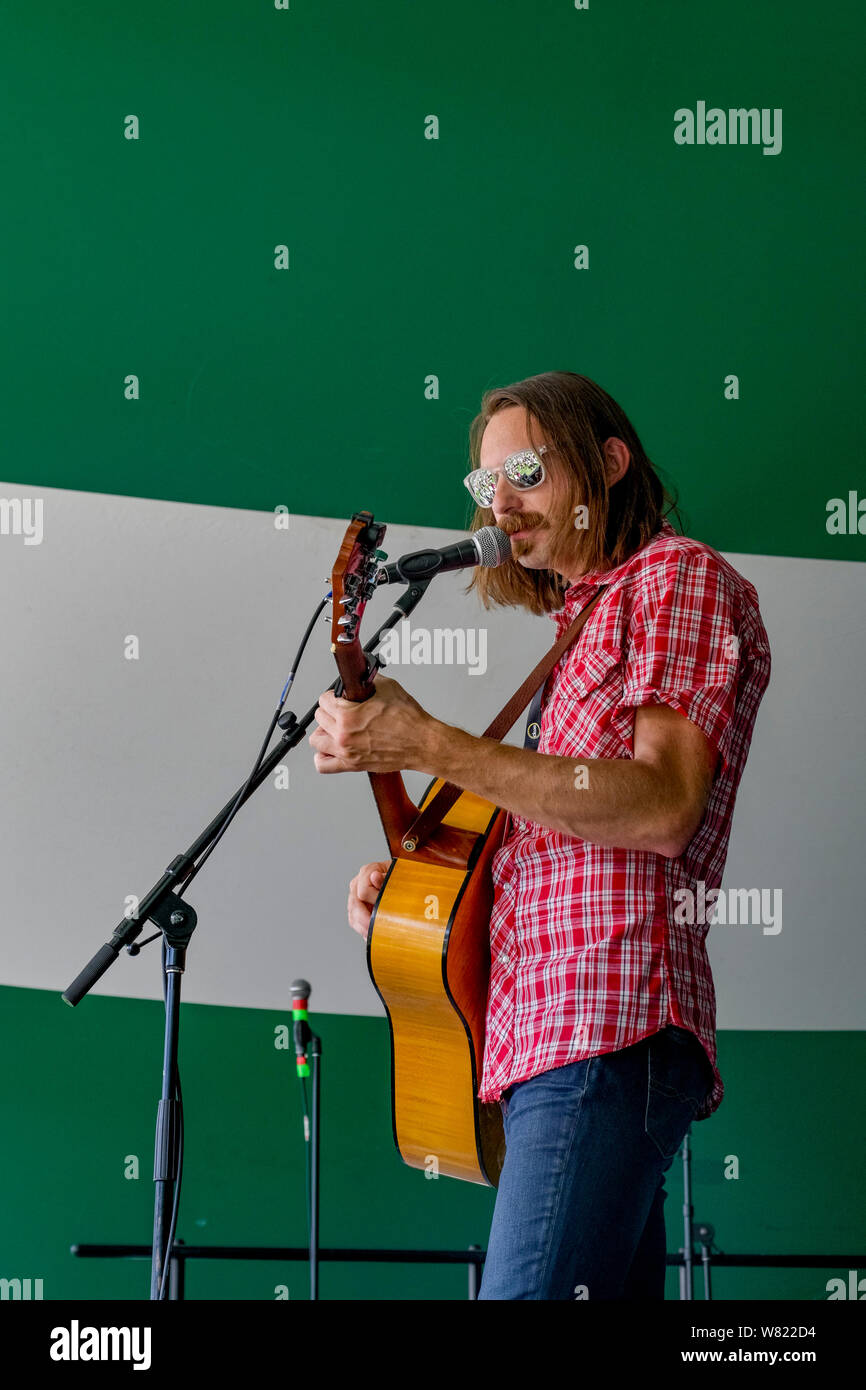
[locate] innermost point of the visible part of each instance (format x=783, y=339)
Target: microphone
x=489, y=547
x=300, y=994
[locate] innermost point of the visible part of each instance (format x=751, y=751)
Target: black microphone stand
x=306, y=1040
x=687, y=1287
x=176, y=920
x=315, y=1150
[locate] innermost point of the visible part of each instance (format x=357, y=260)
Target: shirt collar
x=577, y=594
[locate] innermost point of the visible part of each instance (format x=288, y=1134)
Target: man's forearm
x=608, y=801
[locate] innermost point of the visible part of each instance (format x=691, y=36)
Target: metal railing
x=472, y=1257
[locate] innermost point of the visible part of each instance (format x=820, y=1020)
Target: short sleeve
x=683, y=646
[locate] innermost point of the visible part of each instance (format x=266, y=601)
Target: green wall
x=411, y=257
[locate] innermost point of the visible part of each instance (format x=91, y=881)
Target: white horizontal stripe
x=112, y=767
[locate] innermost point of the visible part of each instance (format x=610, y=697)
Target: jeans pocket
x=676, y=1087
x=504, y=1099
x=681, y=1035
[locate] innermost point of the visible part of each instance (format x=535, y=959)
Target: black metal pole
x=474, y=1270
x=687, y=1290
x=176, y=932
x=315, y=1150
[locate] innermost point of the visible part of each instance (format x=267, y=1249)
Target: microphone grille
x=494, y=546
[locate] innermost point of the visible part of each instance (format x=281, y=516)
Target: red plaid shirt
x=586, y=956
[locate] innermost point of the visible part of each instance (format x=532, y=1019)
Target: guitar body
x=428, y=952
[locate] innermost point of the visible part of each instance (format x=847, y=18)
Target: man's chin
x=530, y=551
x=530, y=561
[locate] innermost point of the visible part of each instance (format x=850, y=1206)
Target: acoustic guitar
x=428, y=949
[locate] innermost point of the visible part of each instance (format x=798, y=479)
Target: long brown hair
x=577, y=416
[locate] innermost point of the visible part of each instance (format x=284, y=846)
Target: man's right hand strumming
x=363, y=892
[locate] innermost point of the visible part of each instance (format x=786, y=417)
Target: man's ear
x=616, y=460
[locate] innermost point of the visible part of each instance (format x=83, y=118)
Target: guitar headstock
x=353, y=581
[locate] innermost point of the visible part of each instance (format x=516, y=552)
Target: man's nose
x=505, y=495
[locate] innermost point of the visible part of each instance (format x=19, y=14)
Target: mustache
x=527, y=521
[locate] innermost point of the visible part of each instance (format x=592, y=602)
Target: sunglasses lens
x=524, y=469
x=482, y=485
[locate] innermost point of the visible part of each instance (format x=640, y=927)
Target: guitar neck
x=396, y=810
x=353, y=580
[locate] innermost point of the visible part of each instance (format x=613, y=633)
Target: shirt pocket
x=580, y=678
x=578, y=720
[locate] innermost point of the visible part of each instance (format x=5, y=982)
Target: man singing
x=600, y=1035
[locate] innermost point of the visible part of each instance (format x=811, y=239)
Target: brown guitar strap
x=421, y=828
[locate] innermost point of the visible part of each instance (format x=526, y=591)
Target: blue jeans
x=580, y=1207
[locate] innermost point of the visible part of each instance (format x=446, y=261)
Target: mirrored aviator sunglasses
x=524, y=470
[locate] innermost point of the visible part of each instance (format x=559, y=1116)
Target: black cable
x=235, y=807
